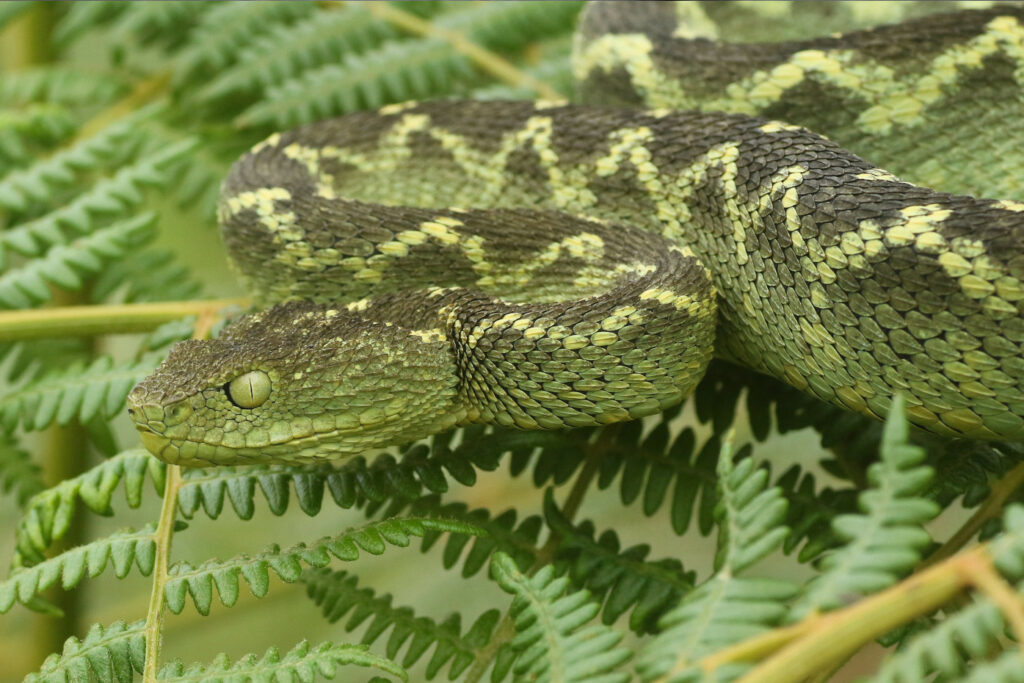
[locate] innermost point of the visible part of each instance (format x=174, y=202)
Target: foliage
x=103, y=165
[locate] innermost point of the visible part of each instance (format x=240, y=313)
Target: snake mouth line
x=186, y=452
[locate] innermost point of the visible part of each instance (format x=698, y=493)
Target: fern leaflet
x=886, y=541
x=373, y=538
x=726, y=608
x=48, y=515
x=121, y=549
x=338, y=594
x=553, y=642
x=619, y=579
x=18, y=472
x=303, y=662
x=111, y=653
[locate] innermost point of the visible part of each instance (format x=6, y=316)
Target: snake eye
x=249, y=390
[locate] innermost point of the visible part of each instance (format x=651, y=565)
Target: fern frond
x=397, y=71
x=110, y=198
x=36, y=124
x=111, y=653
x=61, y=85
x=338, y=594
x=304, y=662
x=228, y=28
x=508, y=26
x=37, y=183
x=158, y=23
x=502, y=533
x=322, y=38
x=149, y=275
x=79, y=393
x=121, y=549
x=373, y=538
x=49, y=514
x=727, y=608
x=553, y=641
x=18, y=472
x=83, y=16
x=408, y=69
x=811, y=512
x=974, y=630
x=886, y=541
x=650, y=467
x=619, y=579
x=1004, y=669
x=65, y=265
x=24, y=361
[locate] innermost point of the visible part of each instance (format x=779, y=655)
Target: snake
x=548, y=265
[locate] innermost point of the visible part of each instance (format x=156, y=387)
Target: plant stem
x=163, y=537
x=84, y=321
x=839, y=634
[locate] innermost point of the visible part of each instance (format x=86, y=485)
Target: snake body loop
x=545, y=265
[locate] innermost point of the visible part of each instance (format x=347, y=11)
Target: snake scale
x=546, y=265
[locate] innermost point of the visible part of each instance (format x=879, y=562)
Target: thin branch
x=87, y=321
x=836, y=635
x=162, y=538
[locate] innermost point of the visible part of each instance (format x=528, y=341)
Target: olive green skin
x=653, y=240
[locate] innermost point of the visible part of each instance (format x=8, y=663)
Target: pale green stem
x=86, y=321
x=163, y=537
x=839, y=634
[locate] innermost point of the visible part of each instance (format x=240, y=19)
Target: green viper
x=543, y=265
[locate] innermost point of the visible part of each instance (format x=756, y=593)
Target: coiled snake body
x=601, y=253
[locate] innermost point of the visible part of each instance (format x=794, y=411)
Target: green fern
x=726, y=608
x=553, y=641
x=18, y=473
x=338, y=594
x=620, y=579
x=62, y=85
x=397, y=71
x=112, y=653
x=121, y=549
x=78, y=393
x=150, y=275
x=48, y=515
x=303, y=662
x=110, y=198
x=228, y=28
x=501, y=533
x=287, y=50
x=373, y=538
x=886, y=541
x=39, y=182
x=66, y=265
x=973, y=631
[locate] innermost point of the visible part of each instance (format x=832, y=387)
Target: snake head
x=296, y=383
